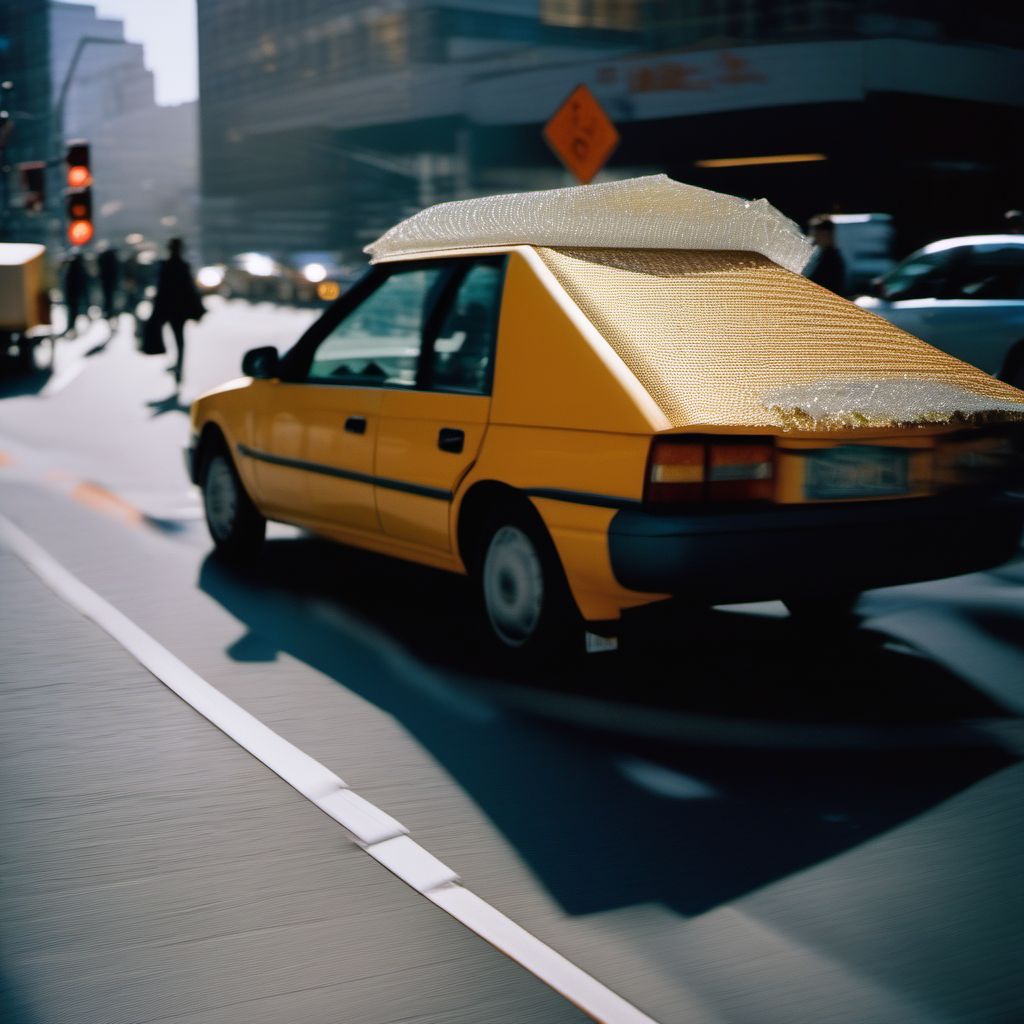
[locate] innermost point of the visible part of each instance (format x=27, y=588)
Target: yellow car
x=598, y=398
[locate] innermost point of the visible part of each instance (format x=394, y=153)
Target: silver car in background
x=963, y=295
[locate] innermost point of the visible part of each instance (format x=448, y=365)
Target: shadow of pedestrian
x=605, y=819
x=172, y=403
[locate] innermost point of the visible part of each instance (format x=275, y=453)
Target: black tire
x=529, y=610
x=235, y=524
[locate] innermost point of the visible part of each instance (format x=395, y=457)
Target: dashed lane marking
x=99, y=498
x=380, y=835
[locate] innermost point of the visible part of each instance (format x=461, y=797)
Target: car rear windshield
x=710, y=334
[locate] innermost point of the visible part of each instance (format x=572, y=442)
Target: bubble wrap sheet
x=731, y=339
x=653, y=212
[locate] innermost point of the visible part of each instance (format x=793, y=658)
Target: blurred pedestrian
x=76, y=289
x=131, y=282
x=109, y=271
x=827, y=267
x=177, y=299
x=1013, y=222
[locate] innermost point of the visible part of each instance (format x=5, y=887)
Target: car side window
x=377, y=344
x=463, y=351
x=994, y=272
x=928, y=276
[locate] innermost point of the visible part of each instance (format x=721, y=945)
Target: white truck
x=24, y=303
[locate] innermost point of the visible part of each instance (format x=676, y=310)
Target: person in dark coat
x=76, y=289
x=828, y=268
x=109, y=271
x=177, y=299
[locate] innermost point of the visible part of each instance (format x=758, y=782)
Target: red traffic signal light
x=79, y=195
x=79, y=210
x=77, y=158
x=80, y=232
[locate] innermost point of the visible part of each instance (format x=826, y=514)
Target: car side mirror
x=876, y=287
x=260, y=363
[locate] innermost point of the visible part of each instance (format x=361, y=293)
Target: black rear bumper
x=779, y=551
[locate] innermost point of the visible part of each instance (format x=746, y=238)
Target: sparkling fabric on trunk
x=733, y=340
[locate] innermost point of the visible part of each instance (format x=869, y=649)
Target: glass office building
x=24, y=35
x=325, y=121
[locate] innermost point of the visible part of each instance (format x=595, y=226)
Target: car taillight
x=688, y=470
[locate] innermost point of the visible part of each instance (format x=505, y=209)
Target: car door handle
x=451, y=440
x=356, y=424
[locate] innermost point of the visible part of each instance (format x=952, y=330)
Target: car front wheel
x=525, y=594
x=236, y=526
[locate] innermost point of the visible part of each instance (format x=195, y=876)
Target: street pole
x=6, y=127
x=57, y=131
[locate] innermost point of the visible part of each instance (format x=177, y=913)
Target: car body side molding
x=346, y=474
x=552, y=493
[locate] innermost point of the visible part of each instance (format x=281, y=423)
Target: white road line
x=382, y=837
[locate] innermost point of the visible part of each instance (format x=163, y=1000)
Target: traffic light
x=79, y=193
x=33, y=185
x=77, y=159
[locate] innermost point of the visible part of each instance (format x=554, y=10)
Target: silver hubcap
x=513, y=586
x=221, y=497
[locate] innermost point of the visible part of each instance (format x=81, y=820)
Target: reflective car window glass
x=994, y=272
x=464, y=348
x=922, y=277
x=378, y=342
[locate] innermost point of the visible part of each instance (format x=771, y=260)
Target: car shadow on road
x=16, y=382
x=605, y=817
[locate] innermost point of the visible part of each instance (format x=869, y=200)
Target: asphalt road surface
x=729, y=820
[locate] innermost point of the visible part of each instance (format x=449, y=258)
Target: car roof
x=652, y=212
x=954, y=243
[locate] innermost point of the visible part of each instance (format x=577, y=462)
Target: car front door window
x=378, y=343
x=928, y=276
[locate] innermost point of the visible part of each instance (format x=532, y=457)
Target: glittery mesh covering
x=652, y=212
x=731, y=339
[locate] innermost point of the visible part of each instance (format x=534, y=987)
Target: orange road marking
x=102, y=500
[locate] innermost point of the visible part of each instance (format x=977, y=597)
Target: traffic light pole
x=58, y=115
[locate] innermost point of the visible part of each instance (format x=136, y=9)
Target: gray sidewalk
x=152, y=870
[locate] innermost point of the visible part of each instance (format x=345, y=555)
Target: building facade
x=24, y=35
x=144, y=156
x=325, y=121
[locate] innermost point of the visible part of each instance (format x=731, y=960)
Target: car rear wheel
x=235, y=524
x=529, y=607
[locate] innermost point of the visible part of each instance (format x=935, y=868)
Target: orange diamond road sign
x=582, y=134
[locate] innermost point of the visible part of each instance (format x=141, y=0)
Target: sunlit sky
x=167, y=31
